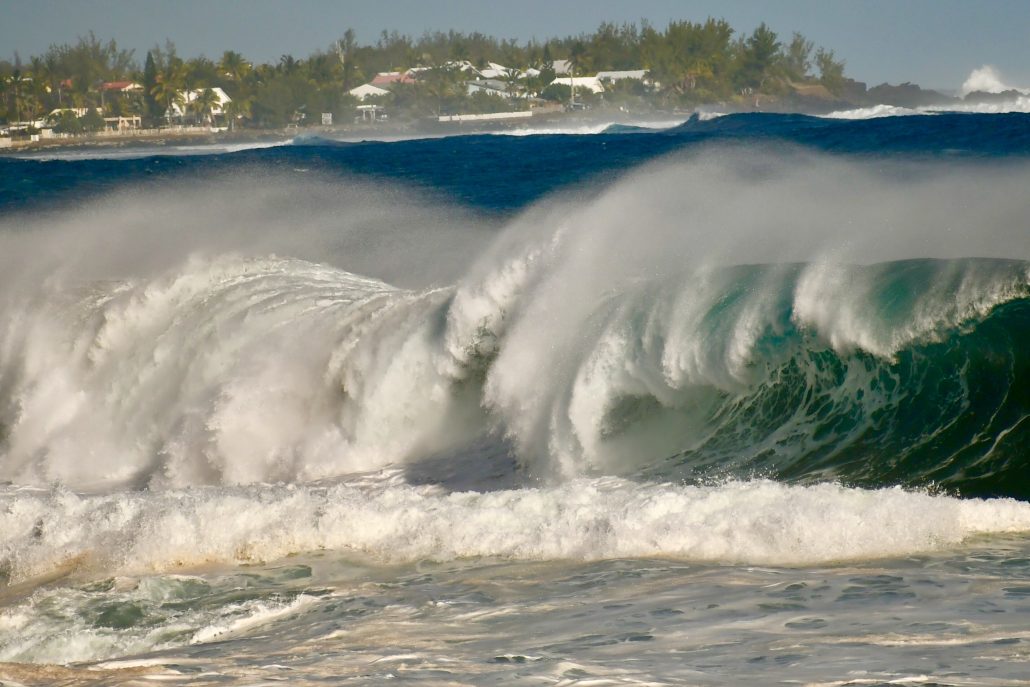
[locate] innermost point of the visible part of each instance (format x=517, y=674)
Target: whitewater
x=738, y=401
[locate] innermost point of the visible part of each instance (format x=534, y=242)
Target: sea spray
x=617, y=334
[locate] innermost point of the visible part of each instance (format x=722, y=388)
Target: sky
x=935, y=43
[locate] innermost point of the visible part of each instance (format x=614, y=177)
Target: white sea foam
x=839, y=303
x=593, y=128
x=144, y=150
x=67, y=625
x=586, y=519
x=1019, y=103
x=229, y=371
x=987, y=79
x=246, y=617
x=873, y=112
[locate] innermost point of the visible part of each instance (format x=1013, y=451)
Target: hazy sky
x=935, y=43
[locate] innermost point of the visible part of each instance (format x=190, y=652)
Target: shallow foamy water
x=599, y=581
x=953, y=618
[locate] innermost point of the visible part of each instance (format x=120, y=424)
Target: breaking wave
x=633, y=370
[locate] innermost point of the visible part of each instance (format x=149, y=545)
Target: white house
x=612, y=77
x=494, y=71
x=461, y=66
x=176, y=110
x=562, y=66
x=368, y=91
x=76, y=111
x=581, y=83
x=491, y=86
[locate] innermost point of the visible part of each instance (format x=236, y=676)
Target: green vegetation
x=688, y=64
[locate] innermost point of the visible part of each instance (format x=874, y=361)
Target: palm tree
x=512, y=83
x=168, y=94
x=26, y=104
x=237, y=109
x=168, y=89
x=345, y=48
x=288, y=64
x=15, y=106
x=440, y=82
x=204, y=102
x=576, y=57
x=5, y=87
x=234, y=66
x=41, y=78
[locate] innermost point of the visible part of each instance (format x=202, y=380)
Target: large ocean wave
x=735, y=354
x=706, y=317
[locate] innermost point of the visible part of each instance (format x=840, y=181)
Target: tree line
x=689, y=64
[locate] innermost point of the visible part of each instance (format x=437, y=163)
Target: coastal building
x=489, y=86
x=128, y=91
x=368, y=91
x=581, y=83
x=123, y=123
x=178, y=111
x=562, y=67
x=494, y=71
x=12, y=128
x=613, y=76
x=121, y=87
x=126, y=122
x=75, y=111
x=461, y=66
x=386, y=79
x=370, y=114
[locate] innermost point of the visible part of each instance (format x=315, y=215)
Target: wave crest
x=719, y=314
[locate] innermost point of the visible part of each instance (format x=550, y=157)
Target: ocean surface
x=737, y=400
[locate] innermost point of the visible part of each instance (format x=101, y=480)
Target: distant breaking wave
x=1019, y=104
x=986, y=79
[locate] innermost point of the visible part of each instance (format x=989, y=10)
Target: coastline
x=428, y=127
x=170, y=137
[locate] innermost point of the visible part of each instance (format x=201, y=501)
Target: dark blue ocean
x=508, y=173
x=740, y=399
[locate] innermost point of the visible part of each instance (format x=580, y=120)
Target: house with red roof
x=121, y=86
x=385, y=79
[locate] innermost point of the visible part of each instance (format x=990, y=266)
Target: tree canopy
x=688, y=63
